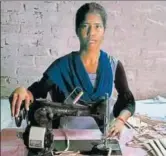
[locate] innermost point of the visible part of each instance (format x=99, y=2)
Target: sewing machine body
x=83, y=139
x=41, y=137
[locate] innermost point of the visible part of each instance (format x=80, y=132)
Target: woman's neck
x=90, y=56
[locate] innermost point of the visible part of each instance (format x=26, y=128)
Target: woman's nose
x=91, y=31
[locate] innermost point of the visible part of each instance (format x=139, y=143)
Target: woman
x=90, y=68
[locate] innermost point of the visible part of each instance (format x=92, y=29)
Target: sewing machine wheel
x=43, y=117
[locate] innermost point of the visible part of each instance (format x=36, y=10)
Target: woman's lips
x=92, y=41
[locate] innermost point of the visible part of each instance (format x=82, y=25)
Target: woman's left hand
x=116, y=128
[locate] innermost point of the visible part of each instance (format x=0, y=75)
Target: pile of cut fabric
x=149, y=123
x=150, y=134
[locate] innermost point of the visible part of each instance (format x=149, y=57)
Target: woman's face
x=91, y=31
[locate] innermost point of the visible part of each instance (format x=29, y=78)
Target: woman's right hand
x=16, y=99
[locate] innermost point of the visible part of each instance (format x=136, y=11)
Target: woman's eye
x=84, y=26
x=98, y=26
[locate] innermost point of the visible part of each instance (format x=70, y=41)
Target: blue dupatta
x=68, y=72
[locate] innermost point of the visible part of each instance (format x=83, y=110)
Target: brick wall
x=33, y=34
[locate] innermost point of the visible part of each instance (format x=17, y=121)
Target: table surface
x=11, y=145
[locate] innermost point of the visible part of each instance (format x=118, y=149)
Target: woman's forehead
x=93, y=18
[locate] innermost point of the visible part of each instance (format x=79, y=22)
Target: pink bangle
x=119, y=118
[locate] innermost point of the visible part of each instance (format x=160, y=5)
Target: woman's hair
x=89, y=8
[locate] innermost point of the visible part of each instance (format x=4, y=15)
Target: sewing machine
x=41, y=134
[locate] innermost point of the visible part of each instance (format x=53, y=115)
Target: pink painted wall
x=33, y=34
